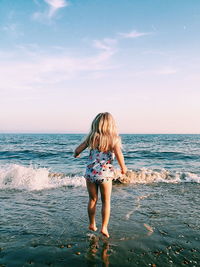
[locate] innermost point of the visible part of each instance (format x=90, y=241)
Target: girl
x=103, y=142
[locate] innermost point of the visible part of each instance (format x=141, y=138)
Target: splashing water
x=14, y=176
x=150, y=176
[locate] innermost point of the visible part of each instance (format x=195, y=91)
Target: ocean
x=155, y=219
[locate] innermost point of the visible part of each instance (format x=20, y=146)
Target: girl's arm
x=120, y=158
x=79, y=149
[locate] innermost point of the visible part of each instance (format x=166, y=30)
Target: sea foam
x=14, y=176
x=147, y=176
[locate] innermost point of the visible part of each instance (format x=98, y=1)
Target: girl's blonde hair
x=103, y=134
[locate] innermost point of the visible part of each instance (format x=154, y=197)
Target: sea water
x=43, y=203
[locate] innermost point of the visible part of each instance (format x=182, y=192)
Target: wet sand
x=150, y=225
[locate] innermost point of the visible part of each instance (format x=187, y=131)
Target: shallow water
x=44, y=220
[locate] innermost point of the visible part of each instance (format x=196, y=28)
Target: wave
x=14, y=176
x=148, y=176
x=32, y=153
x=169, y=155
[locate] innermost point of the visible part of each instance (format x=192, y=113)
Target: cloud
x=110, y=44
x=107, y=44
x=32, y=71
x=12, y=29
x=133, y=34
x=55, y=5
x=52, y=8
x=161, y=71
x=167, y=71
x=154, y=52
x=31, y=68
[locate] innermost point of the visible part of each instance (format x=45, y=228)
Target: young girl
x=103, y=142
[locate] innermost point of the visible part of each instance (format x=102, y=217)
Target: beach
x=155, y=219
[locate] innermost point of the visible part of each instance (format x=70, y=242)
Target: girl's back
x=99, y=167
x=102, y=141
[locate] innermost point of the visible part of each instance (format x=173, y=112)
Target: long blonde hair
x=103, y=134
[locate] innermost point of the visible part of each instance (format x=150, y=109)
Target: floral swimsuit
x=99, y=166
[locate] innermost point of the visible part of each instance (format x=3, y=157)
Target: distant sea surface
x=43, y=203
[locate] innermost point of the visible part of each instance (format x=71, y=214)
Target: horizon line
x=87, y=133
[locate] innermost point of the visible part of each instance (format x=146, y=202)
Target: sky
x=64, y=61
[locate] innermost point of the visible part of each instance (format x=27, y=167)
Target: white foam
x=30, y=178
x=146, y=176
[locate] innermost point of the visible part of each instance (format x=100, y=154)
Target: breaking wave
x=14, y=176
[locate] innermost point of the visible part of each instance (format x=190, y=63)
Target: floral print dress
x=99, y=166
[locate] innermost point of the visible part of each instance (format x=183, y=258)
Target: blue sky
x=62, y=62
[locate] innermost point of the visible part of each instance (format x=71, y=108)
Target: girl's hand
x=124, y=170
x=76, y=155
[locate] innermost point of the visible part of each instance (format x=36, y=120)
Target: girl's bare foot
x=92, y=227
x=104, y=231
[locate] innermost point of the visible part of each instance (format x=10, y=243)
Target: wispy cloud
x=133, y=34
x=35, y=70
x=110, y=44
x=12, y=29
x=161, y=71
x=154, y=52
x=55, y=5
x=107, y=44
x=167, y=71
x=52, y=7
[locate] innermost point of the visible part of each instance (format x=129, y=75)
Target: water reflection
x=98, y=247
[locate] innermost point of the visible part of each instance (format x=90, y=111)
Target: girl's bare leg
x=93, y=197
x=106, y=189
